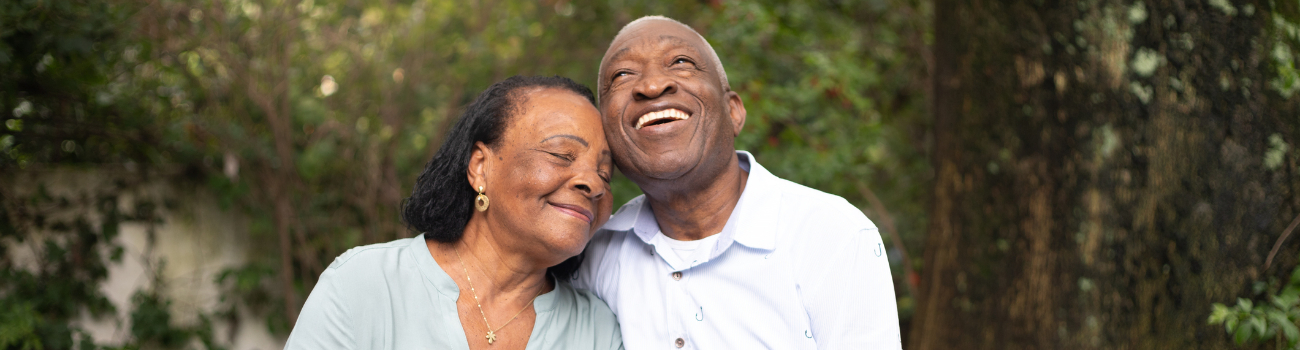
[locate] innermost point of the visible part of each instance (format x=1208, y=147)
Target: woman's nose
x=589, y=183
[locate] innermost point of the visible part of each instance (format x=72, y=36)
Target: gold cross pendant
x=491, y=337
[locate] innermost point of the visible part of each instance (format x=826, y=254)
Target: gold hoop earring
x=481, y=202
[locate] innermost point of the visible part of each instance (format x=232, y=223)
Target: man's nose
x=654, y=86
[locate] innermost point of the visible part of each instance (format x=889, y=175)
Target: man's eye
x=682, y=60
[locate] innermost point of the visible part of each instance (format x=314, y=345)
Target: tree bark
x=1100, y=173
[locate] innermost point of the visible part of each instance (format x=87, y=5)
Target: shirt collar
x=752, y=223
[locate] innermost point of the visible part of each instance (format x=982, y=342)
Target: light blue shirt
x=794, y=268
x=395, y=296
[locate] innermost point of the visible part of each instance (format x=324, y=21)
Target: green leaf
x=1218, y=314
x=1285, y=301
x=18, y=326
x=1260, y=325
x=1244, y=304
x=1242, y=335
x=1285, y=324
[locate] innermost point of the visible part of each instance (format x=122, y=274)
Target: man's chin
x=662, y=168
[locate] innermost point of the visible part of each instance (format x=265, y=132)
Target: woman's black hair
x=443, y=200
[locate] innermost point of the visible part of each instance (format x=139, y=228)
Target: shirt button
x=680, y=342
x=677, y=276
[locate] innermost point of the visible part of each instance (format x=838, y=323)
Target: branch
x=1285, y=233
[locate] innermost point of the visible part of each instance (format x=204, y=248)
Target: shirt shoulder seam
x=354, y=252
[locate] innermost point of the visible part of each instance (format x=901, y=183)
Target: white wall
x=196, y=241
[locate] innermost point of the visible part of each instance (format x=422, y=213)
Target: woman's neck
x=498, y=275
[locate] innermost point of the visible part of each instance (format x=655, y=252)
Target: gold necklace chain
x=491, y=334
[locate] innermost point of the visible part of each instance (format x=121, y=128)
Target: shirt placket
x=678, y=300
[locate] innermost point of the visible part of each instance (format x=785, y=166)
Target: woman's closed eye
x=564, y=156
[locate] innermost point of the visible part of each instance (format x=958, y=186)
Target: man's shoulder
x=799, y=201
x=619, y=226
x=812, y=219
x=625, y=217
x=605, y=243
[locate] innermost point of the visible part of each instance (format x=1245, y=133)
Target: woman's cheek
x=607, y=203
x=538, y=177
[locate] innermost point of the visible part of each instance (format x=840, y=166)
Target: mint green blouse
x=395, y=296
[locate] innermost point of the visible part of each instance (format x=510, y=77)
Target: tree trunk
x=1101, y=173
x=270, y=92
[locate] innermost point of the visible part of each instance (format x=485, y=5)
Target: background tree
x=1105, y=170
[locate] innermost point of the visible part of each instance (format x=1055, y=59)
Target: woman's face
x=548, y=177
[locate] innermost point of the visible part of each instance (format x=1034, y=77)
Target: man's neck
x=688, y=213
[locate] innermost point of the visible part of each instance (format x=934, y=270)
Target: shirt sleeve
x=322, y=324
x=847, y=289
x=591, y=273
x=601, y=326
x=616, y=338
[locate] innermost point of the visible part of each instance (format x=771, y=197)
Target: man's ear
x=737, y=112
x=480, y=163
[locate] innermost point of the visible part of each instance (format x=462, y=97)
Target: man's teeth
x=664, y=114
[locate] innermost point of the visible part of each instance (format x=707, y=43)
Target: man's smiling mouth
x=661, y=117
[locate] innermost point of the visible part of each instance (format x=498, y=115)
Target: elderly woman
x=510, y=199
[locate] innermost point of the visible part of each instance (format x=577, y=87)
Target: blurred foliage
x=68, y=92
x=40, y=300
x=71, y=100
x=1275, y=320
x=1286, y=27
x=54, y=252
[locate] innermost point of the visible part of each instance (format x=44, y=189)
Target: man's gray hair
x=722, y=72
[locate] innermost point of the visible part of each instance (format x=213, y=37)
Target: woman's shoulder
x=372, y=253
x=360, y=270
x=582, y=302
x=581, y=320
x=360, y=294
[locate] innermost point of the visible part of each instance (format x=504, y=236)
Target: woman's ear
x=480, y=163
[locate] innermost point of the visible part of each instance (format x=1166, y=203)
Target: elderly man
x=719, y=253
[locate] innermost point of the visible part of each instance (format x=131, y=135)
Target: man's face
x=665, y=111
